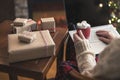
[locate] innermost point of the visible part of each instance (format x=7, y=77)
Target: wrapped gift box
x=48, y=24
x=19, y=22
x=26, y=37
x=18, y=30
x=43, y=46
x=32, y=24
x=29, y=25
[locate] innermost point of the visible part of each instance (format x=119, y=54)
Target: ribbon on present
x=29, y=20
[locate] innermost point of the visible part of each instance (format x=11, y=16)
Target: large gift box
x=42, y=46
x=48, y=24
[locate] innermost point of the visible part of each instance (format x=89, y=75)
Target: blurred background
x=65, y=12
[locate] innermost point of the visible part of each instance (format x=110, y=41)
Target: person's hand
x=78, y=36
x=105, y=36
x=81, y=43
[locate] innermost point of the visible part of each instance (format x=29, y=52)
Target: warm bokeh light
x=101, y=5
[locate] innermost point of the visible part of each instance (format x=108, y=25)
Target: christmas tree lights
x=114, y=8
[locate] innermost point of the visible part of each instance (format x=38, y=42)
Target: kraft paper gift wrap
x=29, y=25
x=43, y=46
x=26, y=37
x=19, y=21
x=48, y=24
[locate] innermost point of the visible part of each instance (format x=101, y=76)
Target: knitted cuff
x=86, y=61
x=81, y=46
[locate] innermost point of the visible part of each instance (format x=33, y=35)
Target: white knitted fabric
x=108, y=66
x=84, y=56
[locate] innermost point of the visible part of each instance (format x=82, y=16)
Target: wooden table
x=36, y=69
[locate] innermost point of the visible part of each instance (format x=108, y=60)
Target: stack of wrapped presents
x=22, y=24
x=28, y=43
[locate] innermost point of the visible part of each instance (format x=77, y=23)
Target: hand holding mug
x=85, y=28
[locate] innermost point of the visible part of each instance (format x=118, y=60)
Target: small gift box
x=48, y=24
x=18, y=30
x=85, y=28
x=42, y=46
x=30, y=25
x=20, y=21
x=26, y=37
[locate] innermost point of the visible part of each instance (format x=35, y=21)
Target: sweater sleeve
x=84, y=56
x=108, y=65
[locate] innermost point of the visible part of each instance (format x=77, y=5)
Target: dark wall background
x=6, y=10
x=78, y=10
x=44, y=5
